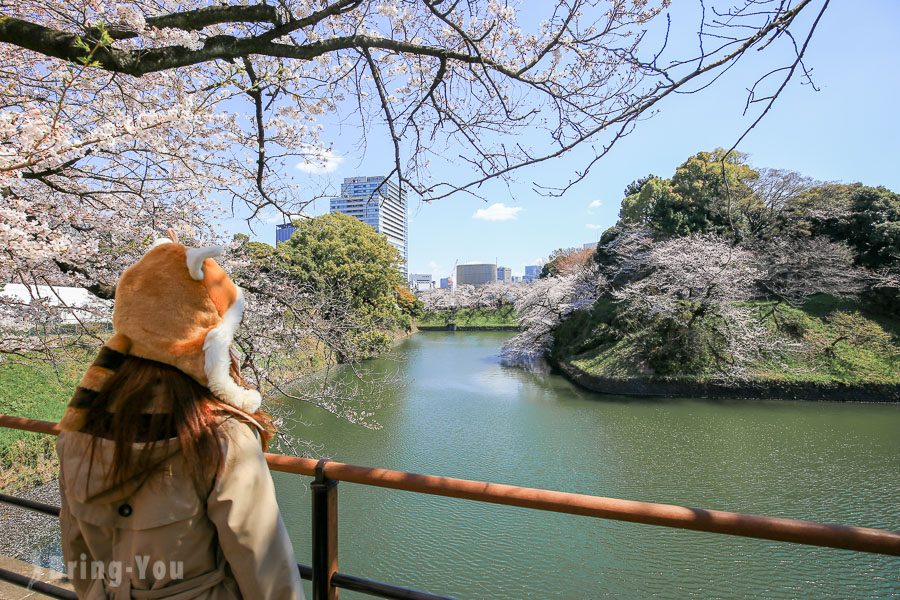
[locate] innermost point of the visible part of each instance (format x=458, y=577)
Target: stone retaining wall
x=786, y=390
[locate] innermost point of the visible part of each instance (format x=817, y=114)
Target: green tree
x=408, y=302
x=638, y=207
x=821, y=210
x=263, y=256
x=635, y=186
x=338, y=252
x=875, y=226
x=342, y=257
x=706, y=194
x=867, y=218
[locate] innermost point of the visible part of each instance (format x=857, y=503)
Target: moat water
x=452, y=409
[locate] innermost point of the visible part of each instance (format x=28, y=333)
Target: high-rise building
x=381, y=204
x=532, y=272
x=476, y=274
x=504, y=274
x=446, y=282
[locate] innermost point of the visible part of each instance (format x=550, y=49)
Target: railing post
x=324, y=534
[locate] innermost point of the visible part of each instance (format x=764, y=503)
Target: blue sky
x=848, y=131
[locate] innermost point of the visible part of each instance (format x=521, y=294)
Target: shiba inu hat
x=175, y=306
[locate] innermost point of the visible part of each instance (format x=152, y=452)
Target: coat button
x=125, y=510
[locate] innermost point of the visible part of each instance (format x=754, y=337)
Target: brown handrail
x=861, y=539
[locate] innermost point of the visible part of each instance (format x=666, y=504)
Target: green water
x=458, y=412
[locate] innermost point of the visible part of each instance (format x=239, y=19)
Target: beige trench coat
x=161, y=538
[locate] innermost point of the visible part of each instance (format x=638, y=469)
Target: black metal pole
x=46, y=589
x=30, y=504
x=382, y=590
x=324, y=534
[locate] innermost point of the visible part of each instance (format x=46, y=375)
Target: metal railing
x=327, y=580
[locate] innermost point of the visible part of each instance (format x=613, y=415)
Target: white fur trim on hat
x=217, y=348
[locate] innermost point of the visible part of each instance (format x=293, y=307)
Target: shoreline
x=774, y=390
x=454, y=327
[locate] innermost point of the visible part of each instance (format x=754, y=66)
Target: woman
x=165, y=489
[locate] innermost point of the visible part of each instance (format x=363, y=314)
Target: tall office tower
x=504, y=274
x=379, y=203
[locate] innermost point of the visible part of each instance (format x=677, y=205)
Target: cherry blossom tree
x=690, y=290
x=492, y=295
x=695, y=288
x=293, y=336
x=680, y=298
x=701, y=269
x=799, y=267
x=474, y=73
x=544, y=304
x=120, y=119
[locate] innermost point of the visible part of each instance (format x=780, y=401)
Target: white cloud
x=436, y=270
x=593, y=226
x=319, y=161
x=497, y=212
x=270, y=217
x=595, y=204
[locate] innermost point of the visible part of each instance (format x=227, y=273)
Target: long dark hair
x=181, y=408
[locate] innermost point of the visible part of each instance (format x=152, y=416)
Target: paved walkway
x=8, y=591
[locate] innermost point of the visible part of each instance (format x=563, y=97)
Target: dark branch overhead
x=195, y=20
x=63, y=45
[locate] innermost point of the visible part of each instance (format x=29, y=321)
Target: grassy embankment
x=37, y=391
x=471, y=318
x=837, y=343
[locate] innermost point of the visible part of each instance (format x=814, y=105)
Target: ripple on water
x=464, y=415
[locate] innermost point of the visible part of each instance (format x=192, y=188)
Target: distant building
x=532, y=272
x=379, y=203
x=517, y=279
x=283, y=233
x=589, y=246
x=446, y=282
x=504, y=274
x=476, y=274
x=419, y=282
x=75, y=305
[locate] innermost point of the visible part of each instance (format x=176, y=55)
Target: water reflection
x=462, y=413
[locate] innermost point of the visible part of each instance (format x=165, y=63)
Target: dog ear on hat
x=196, y=256
x=171, y=238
